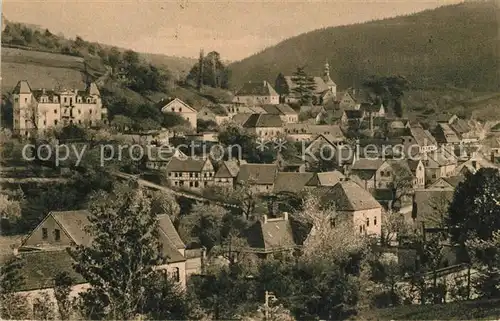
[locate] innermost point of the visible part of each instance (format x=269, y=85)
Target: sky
x=236, y=29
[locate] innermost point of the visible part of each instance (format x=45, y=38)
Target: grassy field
x=41, y=69
x=469, y=310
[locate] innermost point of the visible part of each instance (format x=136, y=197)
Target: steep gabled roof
x=280, y=109
x=166, y=226
x=349, y=196
x=186, y=164
x=74, y=223
x=263, y=120
x=330, y=178
x=241, y=118
x=165, y=104
x=228, y=169
x=93, y=90
x=271, y=234
x=293, y=182
x=258, y=174
x=368, y=164
x=22, y=87
x=261, y=88
x=41, y=267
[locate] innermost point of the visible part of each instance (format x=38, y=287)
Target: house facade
x=286, y=113
x=44, y=252
x=355, y=204
x=39, y=110
x=226, y=173
x=258, y=177
x=190, y=172
x=256, y=93
x=265, y=126
x=180, y=108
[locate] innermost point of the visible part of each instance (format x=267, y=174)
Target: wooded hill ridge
x=451, y=46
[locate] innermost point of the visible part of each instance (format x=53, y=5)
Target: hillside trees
x=213, y=74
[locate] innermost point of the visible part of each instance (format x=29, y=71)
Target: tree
x=486, y=254
x=9, y=209
x=394, y=227
x=114, y=58
x=121, y=122
x=209, y=71
x=62, y=290
x=131, y=57
x=474, y=211
x=13, y=305
x=388, y=90
x=245, y=197
x=122, y=255
x=203, y=225
x=304, y=86
x=402, y=185
x=165, y=300
x=165, y=203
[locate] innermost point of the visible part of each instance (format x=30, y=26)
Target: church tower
x=328, y=81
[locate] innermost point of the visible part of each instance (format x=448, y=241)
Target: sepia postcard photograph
x=277, y=160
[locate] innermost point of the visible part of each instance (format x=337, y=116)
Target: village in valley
x=134, y=194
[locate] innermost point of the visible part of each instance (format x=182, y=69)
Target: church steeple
x=328, y=81
x=326, y=71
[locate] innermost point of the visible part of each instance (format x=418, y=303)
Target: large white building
x=41, y=109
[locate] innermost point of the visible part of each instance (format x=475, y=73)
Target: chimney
x=264, y=218
x=285, y=216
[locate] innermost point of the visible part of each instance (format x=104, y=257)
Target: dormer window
x=79, y=99
x=55, y=99
x=88, y=100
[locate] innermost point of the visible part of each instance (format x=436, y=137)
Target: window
x=90, y=111
x=57, y=235
x=176, y=275
x=367, y=222
x=80, y=121
x=88, y=100
x=375, y=221
x=79, y=111
x=44, y=122
x=180, y=110
x=65, y=99
x=190, y=184
x=45, y=234
x=196, y=184
x=25, y=100
x=55, y=111
x=55, y=121
x=361, y=229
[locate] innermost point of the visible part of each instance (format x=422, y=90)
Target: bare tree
x=331, y=237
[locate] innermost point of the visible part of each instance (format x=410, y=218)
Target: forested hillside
x=451, y=46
